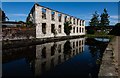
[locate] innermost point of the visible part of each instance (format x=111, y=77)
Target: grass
x=96, y=35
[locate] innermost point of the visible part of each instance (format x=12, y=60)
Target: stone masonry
x=50, y=23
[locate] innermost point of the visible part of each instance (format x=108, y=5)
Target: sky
x=17, y=11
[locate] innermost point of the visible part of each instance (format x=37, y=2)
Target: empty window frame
x=52, y=28
x=59, y=17
x=77, y=21
x=53, y=15
x=74, y=21
x=65, y=18
x=43, y=13
x=83, y=23
x=73, y=29
x=80, y=29
x=59, y=29
x=80, y=22
x=77, y=29
x=44, y=28
x=77, y=43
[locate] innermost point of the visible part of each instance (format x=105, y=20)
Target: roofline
x=56, y=11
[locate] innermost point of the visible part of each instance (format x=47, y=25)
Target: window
x=53, y=28
x=44, y=52
x=74, y=21
x=73, y=29
x=44, y=28
x=80, y=22
x=77, y=29
x=80, y=29
x=53, y=16
x=59, y=48
x=80, y=49
x=76, y=51
x=43, y=13
x=83, y=23
x=59, y=17
x=77, y=21
x=65, y=18
x=77, y=43
x=59, y=29
x=53, y=49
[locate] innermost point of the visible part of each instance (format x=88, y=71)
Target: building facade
x=50, y=23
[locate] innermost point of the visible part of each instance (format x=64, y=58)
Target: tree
x=67, y=27
x=30, y=24
x=94, y=21
x=115, y=30
x=104, y=18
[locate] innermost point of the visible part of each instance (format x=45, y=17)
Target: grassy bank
x=99, y=36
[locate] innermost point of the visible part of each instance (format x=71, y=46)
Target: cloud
x=114, y=17
x=22, y=15
x=113, y=22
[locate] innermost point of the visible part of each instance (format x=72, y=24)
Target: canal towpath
x=110, y=63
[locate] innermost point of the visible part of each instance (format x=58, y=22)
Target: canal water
x=69, y=58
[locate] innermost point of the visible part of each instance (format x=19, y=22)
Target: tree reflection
x=67, y=48
x=96, y=46
x=96, y=49
x=93, y=50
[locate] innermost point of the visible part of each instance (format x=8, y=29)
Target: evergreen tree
x=104, y=19
x=94, y=21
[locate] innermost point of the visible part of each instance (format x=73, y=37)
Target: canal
x=69, y=58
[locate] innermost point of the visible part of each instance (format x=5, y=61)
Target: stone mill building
x=50, y=23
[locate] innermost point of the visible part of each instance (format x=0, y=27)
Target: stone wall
x=16, y=33
x=45, y=17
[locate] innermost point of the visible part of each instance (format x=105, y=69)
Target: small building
x=48, y=20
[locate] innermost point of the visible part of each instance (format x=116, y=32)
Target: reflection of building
x=51, y=54
x=49, y=21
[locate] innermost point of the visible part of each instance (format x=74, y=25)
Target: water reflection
x=76, y=56
x=55, y=53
